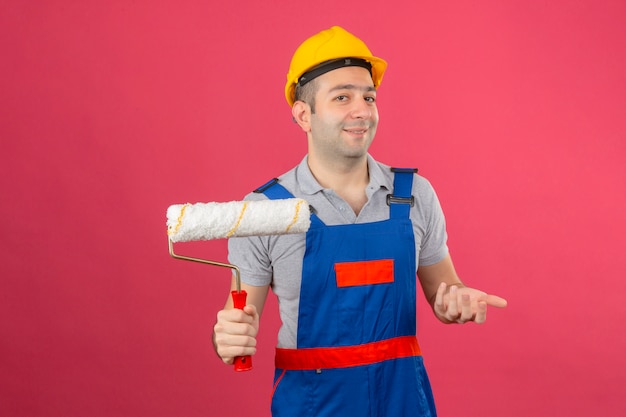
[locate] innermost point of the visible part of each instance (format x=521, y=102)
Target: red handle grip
x=242, y=363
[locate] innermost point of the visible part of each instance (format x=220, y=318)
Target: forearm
x=431, y=277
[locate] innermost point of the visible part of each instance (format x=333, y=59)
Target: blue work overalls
x=357, y=353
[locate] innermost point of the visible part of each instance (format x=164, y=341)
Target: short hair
x=306, y=93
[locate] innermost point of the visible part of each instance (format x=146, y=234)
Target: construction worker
x=347, y=288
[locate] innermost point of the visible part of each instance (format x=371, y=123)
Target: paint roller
x=208, y=221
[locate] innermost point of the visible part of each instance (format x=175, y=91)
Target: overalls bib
x=357, y=352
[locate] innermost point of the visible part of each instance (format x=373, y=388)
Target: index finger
x=495, y=301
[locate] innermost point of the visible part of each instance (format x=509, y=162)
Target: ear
x=301, y=113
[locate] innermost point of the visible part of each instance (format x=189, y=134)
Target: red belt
x=346, y=356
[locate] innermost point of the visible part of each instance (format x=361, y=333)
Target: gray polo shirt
x=277, y=260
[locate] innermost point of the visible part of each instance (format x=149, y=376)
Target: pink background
x=111, y=111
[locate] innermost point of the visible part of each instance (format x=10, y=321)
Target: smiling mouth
x=359, y=131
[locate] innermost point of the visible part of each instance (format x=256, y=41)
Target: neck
x=348, y=179
x=335, y=174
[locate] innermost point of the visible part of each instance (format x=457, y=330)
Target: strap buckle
x=392, y=199
x=404, y=170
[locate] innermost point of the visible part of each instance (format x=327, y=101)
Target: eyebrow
x=352, y=87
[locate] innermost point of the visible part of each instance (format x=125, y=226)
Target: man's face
x=346, y=116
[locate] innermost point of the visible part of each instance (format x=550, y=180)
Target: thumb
x=250, y=309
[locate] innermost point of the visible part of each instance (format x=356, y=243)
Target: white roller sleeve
x=206, y=221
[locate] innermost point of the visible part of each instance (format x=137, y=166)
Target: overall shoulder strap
x=401, y=201
x=274, y=191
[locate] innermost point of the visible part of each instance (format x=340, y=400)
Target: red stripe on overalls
x=347, y=356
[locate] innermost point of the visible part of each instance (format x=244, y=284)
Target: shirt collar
x=310, y=186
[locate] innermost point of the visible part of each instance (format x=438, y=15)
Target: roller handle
x=242, y=363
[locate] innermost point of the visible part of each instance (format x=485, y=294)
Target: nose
x=362, y=109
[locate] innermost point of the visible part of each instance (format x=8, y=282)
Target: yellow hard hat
x=330, y=46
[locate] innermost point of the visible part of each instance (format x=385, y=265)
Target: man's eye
x=370, y=99
x=341, y=98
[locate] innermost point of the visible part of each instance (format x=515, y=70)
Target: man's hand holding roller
x=234, y=333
